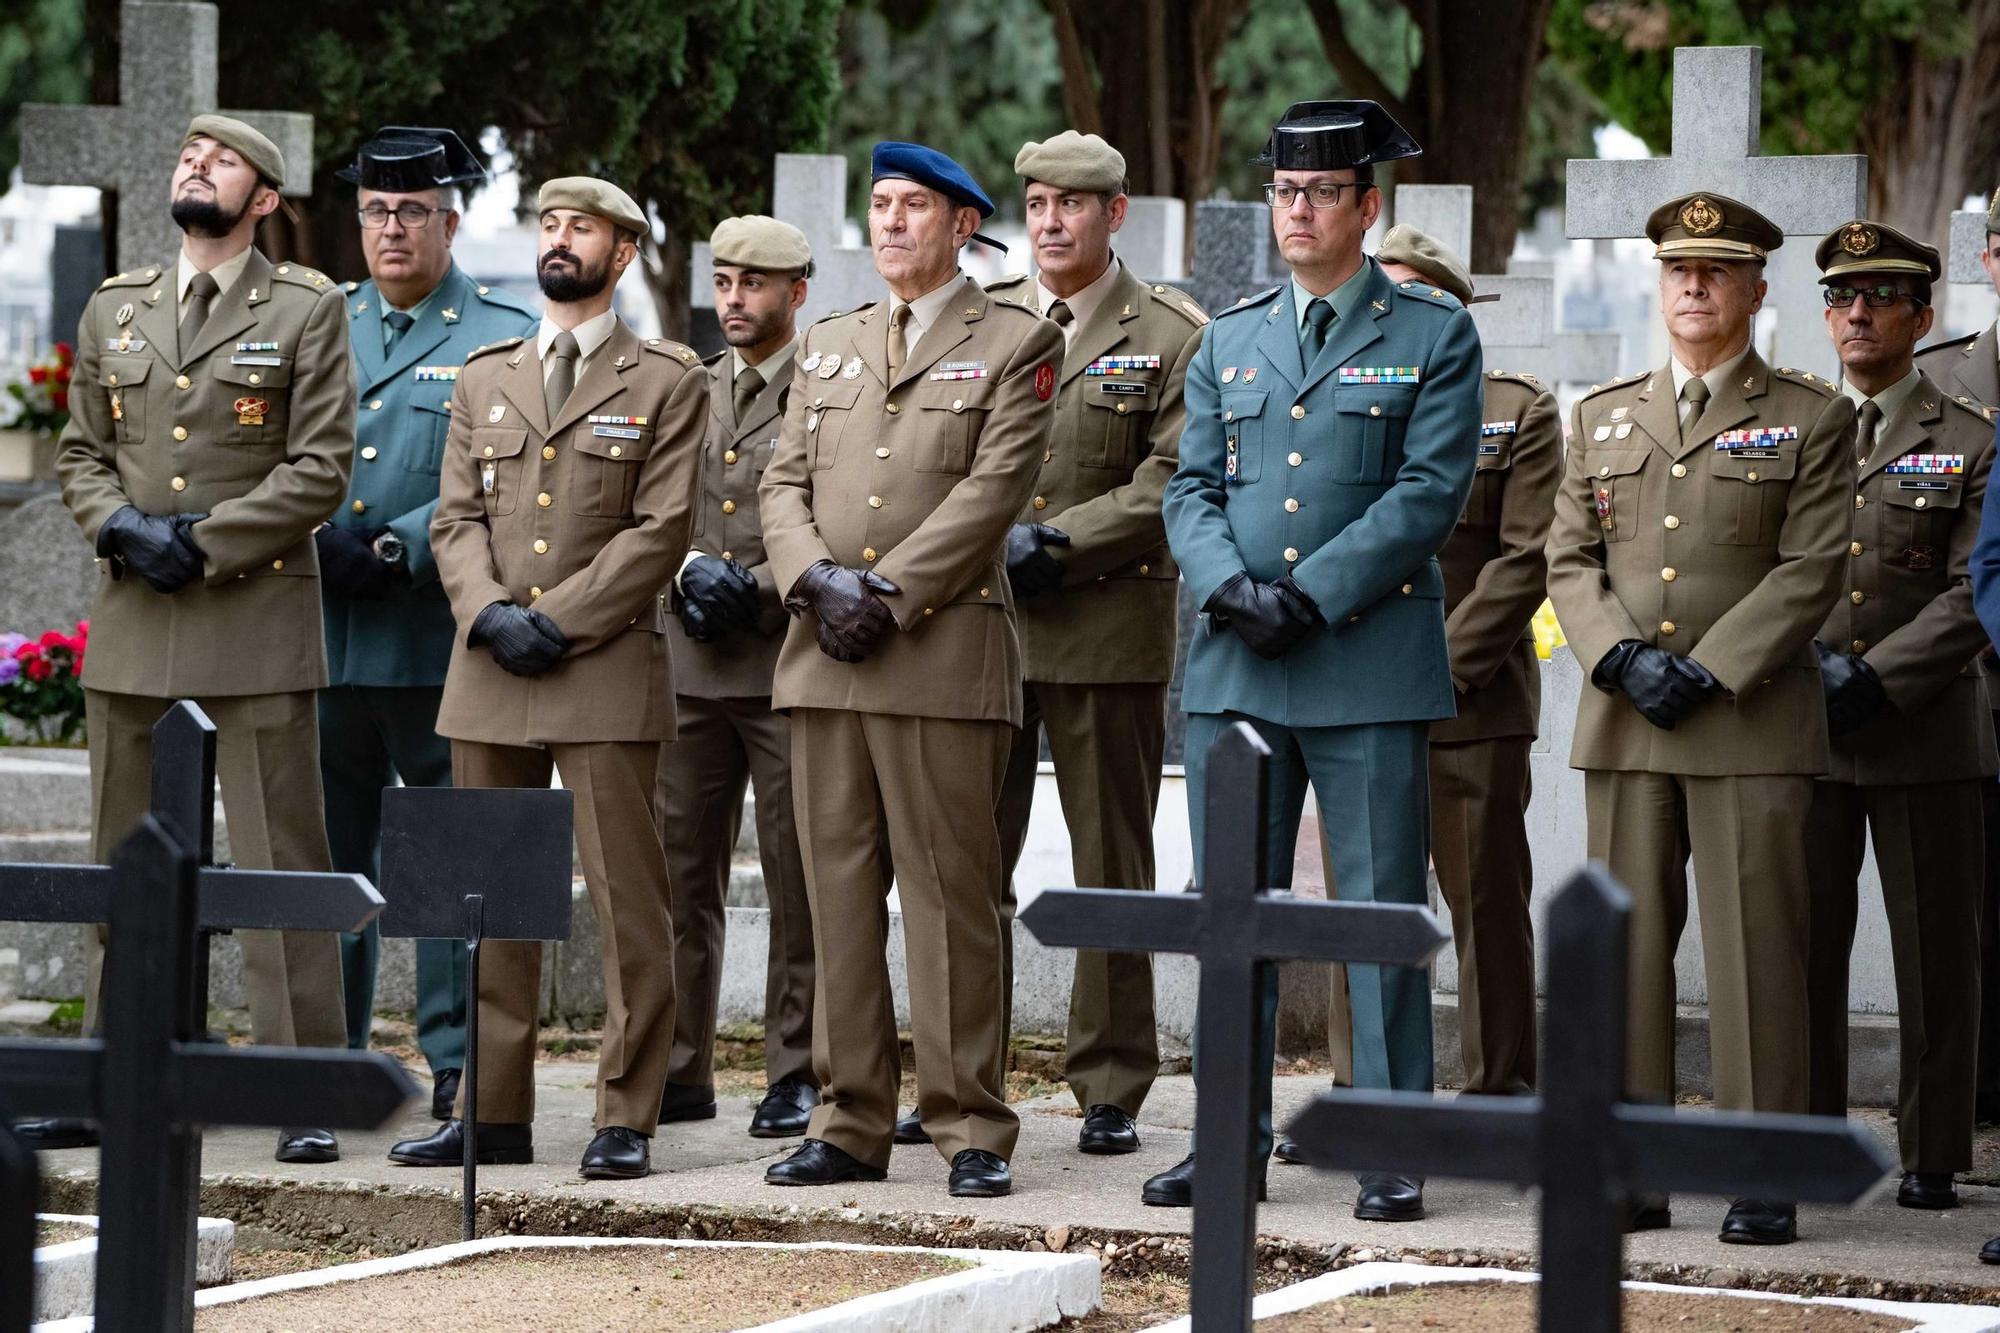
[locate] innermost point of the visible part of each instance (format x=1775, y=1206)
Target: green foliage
x=42, y=59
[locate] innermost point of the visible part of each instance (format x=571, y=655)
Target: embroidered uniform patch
x=437, y=374
x=1120, y=365
x=1936, y=465
x=1381, y=374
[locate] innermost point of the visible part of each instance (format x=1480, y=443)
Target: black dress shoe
x=978, y=1174
x=687, y=1101
x=1285, y=1150
x=1174, y=1187
x=785, y=1110
x=1760, y=1222
x=499, y=1145
x=308, y=1146
x=444, y=1093
x=1989, y=1253
x=1107, y=1131
x=1927, y=1189
x=1389, y=1198
x=47, y=1135
x=818, y=1162
x=1647, y=1212
x=618, y=1153
x=910, y=1129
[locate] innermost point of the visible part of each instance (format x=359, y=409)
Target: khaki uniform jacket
x=1117, y=441
x=1729, y=558
x=1495, y=564
x=728, y=522
x=1968, y=366
x=585, y=519
x=255, y=428
x=1908, y=603
x=919, y=480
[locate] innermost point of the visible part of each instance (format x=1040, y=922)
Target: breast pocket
x=1747, y=494
x=1242, y=436
x=496, y=451
x=1489, y=481
x=123, y=382
x=1111, y=430
x=1615, y=478
x=258, y=397
x=1372, y=419
x=826, y=421
x=1918, y=513
x=949, y=418
x=607, y=468
x=428, y=423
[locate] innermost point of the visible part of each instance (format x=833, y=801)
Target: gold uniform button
x=1854, y=548
x=729, y=456
x=1145, y=569
x=1604, y=471
x=1667, y=627
x=487, y=452
x=983, y=592
x=180, y=432
x=1857, y=597
x=1374, y=410
x=1291, y=506
x=1298, y=412
x=867, y=553
x=1408, y=589
x=375, y=406
x=548, y=451
x=1295, y=458
x=180, y=382
x=1291, y=553
x=729, y=506
x=1861, y=645
x=1041, y=502
x=277, y=564
x=881, y=452
x=534, y=592
x=958, y=405
x=541, y=546
x=874, y=502
x=256, y=377
x=360, y=506
x=1922, y=501
x=368, y=452
x=930, y=610
x=1679, y=469
x=1673, y=521
x=1860, y=502
x=893, y=409
x=1121, y=409
x=544, y=499
x=729, y=555
x=1750, y=476
x=617, y=451
x=180, y=483
x=111, y=379
x=1669, y=574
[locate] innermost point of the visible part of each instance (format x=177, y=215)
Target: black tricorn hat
x=404, y=159
x=1327, y=136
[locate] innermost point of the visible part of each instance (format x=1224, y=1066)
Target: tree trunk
x=664, y=267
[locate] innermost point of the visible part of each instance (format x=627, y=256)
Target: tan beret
x=253, y=147
x=1072, y=161
x=1993, y=212
x=1711, y=226
x=1427, y=255
x=587, y=194
x=765, y=244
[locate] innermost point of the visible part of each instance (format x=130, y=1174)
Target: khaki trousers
x=612, y=782
x=1746, y=836
x=1928, y=850
x=928, y=787
x=726, y=745
x=1107, y=742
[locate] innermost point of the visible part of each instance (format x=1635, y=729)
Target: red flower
x=38, y=374
x=36, y=668
x=83, y=629
x=54, y=639
x=60, y=400
x=26, y=651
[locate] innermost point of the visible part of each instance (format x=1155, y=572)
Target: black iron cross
x=20, y=1184
x=1237, y=927
x=1585, y=1147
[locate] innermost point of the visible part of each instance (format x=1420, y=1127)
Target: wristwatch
x=390, y=550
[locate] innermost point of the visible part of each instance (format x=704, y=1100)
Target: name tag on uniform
x=616, y=421
x=1380, y=374
x=1121, y=365
x=256, y=361
x=617, y=432
x=1923, y=485
x=1944, y=465
x=1755, y=437
x=1134, y=387
x=437, y=374
x=959, y=370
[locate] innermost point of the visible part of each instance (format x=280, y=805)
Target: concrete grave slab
x=66, y=1274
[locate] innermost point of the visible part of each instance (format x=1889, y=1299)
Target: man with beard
x=388, y=625
x=211, y=429
x=911, y=441
x=730, y=736
x=563, y=511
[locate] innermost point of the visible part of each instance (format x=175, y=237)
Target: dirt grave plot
x=591, y=1290
x=49, y=1233
x=1510, y=1307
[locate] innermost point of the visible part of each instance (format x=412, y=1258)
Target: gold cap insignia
x=1858, y=238
x=1700, y=217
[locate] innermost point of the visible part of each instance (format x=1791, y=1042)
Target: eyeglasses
x=1876, y=298
x=1323, y=195
x=411, y=216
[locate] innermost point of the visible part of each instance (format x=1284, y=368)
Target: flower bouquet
x=41, y=686
x=39, y=403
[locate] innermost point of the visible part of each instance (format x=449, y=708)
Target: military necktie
x=1319, y=318
x=1695, y=393
x=399, y=322
x=202, y=288
x=897, y=351
x=562, y=375
x=749, y=383
x=1061, y=314
x=1864, y=437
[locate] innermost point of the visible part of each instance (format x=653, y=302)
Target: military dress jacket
x=1117, y=439
x=1969, y=366
x=729, y=523
x=404, y=637
x=1349, y=476
x=1907, y=603
x=584, y=518
x=917, y=478
x=1496, y=566
x=1727, y=549
x=253, y=427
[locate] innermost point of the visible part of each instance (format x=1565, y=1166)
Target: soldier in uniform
x=1332, y=429
x=1696, y=549
x=388, y=625
x=211, y=429
x=912, y=439
x=730, y=736
x=566, y=496
x=1906, y=710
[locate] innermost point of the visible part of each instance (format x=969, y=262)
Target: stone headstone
x=47, y=573
x=76, y=266
x=1967, y=242
x=166, y=77
x=1153, y=241
x=1234, y=255
x=809, y=190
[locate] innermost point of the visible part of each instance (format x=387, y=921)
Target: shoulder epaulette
x=1968, y=404
x=1178, y=301
x=1008, y=281
x=302, y=276
x=716, y=359
x=841, y=314
x=1255, y=301
x=1948, y=345
x=500, y=346
x=1521, y=377
x=680, y=352
x=1435, y=295
x=503, y=298
x=136, y=278
x=1618, y=383
x=1825, y=388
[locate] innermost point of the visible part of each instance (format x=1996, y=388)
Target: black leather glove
x=1664, y=688
x=1270, y=617
x=725, y=591
x=158, y=548
x=523, y=642
x=695, y=622
x=1031, y=570
x=852, y=617
x=348, y=564
x=1854, y=693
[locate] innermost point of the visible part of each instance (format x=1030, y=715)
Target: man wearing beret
x=1697, y=547
x=732, y=624
x=388, y=625
x=564, y=506
x=1332, y=428
x=1912, y=750
x=911, y=443
x=211, y=429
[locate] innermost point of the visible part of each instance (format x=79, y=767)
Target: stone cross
x=809, y=190
x=1238, y=928
x=1718, y=105
x=1579, y=1141
x=166, y=77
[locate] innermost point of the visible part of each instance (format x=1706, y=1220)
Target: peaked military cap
x=404, y=159
x=1327, y=136
x=1072, y=161
x=762, y=243
x=1861, y=246
x=587, y=194
x=249, y=144
x=1993, y=213
x=1710, y=226
x=1427, y=255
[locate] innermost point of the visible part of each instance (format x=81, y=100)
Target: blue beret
x=929, y=167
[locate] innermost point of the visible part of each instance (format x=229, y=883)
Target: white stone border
x=66, y=1274
x=1004, y=1291
x=1374, y=1278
